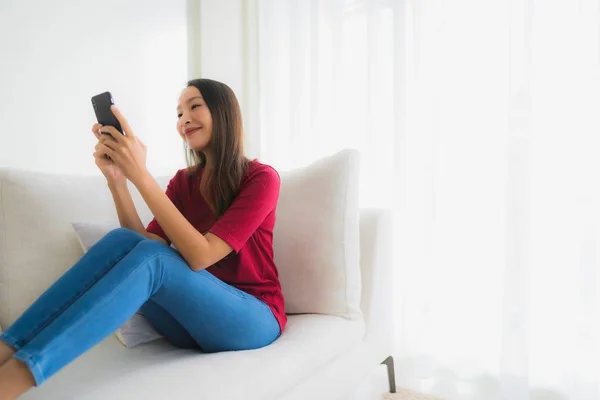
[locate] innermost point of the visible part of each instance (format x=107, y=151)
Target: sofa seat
x=159, y=370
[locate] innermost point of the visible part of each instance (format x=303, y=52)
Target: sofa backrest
x=37, y=241
x=316, y=235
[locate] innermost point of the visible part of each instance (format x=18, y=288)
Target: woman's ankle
x=15, y=379
x=6, y=352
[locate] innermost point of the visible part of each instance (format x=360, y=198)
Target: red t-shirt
x=247, y=226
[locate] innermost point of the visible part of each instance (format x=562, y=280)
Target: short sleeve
x=257, y=198
x=172, y=193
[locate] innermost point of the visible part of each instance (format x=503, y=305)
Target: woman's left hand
x=126, y=151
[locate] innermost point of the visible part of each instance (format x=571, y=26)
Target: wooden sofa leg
x=389, y=363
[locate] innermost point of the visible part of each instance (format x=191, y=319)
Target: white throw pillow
x=137, y=329
x=316, y=237
x=88, y=234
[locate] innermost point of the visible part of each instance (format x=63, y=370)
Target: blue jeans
x=125, y=272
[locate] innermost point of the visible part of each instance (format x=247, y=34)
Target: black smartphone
x=104, y=115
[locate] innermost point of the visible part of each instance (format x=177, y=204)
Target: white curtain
x=477, y=121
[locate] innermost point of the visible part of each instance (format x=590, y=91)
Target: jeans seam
x=105, y=299
x=231, y=289
x=40, y=327
x=10, y=341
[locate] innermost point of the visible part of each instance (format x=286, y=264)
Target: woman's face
x=194, y=122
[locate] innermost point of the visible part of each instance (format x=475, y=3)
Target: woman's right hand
x=112, y=173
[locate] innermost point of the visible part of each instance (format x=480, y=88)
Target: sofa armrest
x=376, y=269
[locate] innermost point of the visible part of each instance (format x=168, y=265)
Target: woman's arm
x=128, y=215
x=129, y=154
x=199, y=251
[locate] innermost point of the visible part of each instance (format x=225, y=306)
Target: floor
x=405, y=394
x=377, y=385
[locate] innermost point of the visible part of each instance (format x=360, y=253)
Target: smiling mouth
x=191, y=132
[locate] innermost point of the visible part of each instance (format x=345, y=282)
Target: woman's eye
x=194, y=106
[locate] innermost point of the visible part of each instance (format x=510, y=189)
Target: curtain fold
x=477, y=125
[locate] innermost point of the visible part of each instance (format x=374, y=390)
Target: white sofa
x=317, y=357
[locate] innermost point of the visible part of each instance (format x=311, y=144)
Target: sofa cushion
x=110, y=371
x=316, y=237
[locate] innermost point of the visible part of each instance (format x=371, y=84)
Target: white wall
x=54, y=55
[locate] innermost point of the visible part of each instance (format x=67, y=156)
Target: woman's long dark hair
x=221, y=183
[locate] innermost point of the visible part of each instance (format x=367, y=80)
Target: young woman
x=217, y=290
